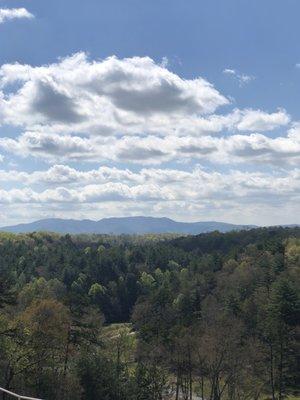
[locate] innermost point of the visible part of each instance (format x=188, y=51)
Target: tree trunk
x=280, y=371
x=272, y=372
x=177, y=383
x=190, y=376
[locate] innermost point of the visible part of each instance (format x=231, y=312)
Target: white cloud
x=112, y=184
x=242, y=79
x=259, y=121
x=188, y=195
x=63, y=174
x=51, y=146
x=7, y=14
x=194, y=194
x=115, y=97
x=256, y=148
x=112, y=96
x=88, y=194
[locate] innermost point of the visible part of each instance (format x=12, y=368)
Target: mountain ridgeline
x=127, y=225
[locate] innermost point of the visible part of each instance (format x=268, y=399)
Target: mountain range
x=125, y=225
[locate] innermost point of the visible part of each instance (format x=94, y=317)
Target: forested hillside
x=151, y=317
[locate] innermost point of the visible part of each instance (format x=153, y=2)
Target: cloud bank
x=144, y=140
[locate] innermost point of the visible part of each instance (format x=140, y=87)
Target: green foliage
x=103, y=317
x=100, y=378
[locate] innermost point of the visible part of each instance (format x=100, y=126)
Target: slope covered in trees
x=103, y=317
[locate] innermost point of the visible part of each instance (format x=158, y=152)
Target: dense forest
x=151, y=317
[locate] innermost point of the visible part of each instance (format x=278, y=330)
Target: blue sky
x=196, y=117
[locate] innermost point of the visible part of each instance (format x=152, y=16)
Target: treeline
x=157, y=317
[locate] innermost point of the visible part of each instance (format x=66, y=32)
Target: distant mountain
x=126, y=225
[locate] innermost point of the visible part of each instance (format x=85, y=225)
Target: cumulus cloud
x=103, y=97
x=7, y=14
x=254, y=148
x=233, y=149
x=111, y=183
x=59, y=174
x=257, y=120
x=88, y=194
x=115, y=97
x=50, y=146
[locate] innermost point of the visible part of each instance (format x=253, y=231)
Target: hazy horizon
x=144, y=216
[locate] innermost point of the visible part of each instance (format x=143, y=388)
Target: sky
x=167, y=108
